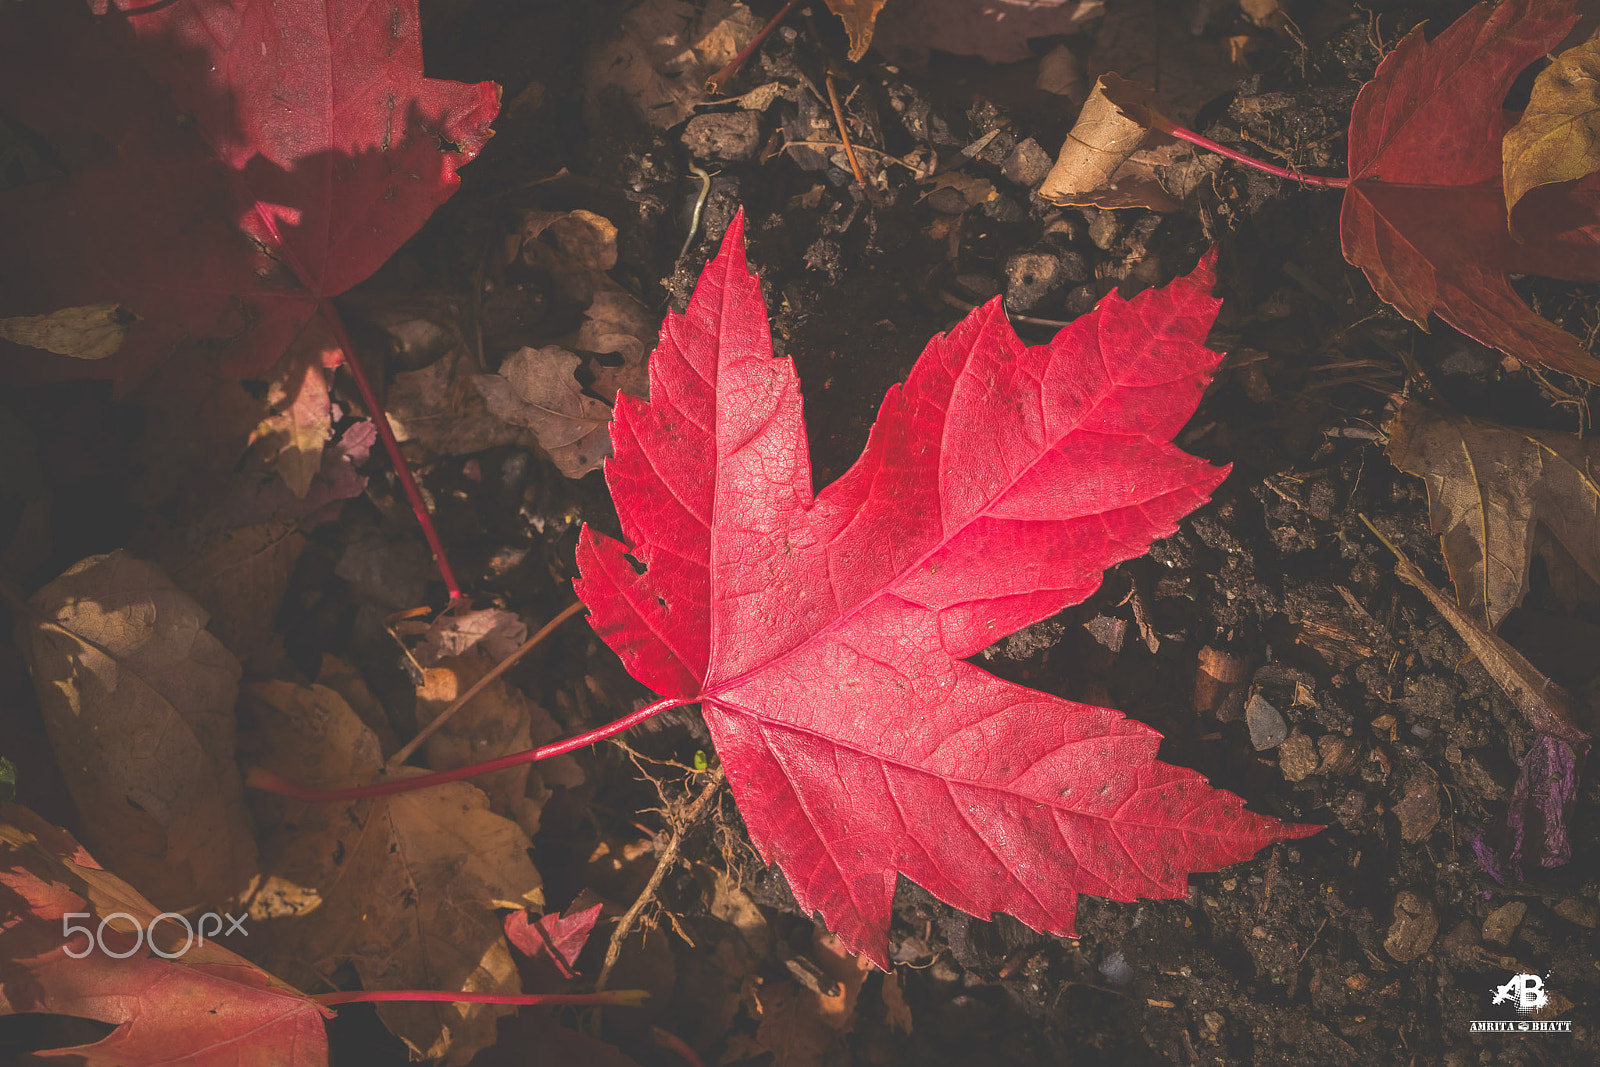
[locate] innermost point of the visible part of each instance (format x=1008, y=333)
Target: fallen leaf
x=404, y=888
x=441, y=408
x=495, y=631
x=858, y=17
x=1113, y=159
x=497, y=722
x=227, y=168
x=997, y=485
x=575, y=248
x=1535, y=829
x=554, y=938
x=92, y=332
x=1424, y=215
x=204, y=1007
x=536, y=389
x=138, y=699
x=997, y=30
x=1489, y=488
x=1557, y=139
x=618, y=326
x=659, y=61
x=300, y=422
x=1143, y=41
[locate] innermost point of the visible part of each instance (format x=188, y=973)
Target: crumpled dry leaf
x=1489, y=487
x=93, y=331
x=1557, y=139
x=404, y=888
x=575, y=247
x=138, y=698
x=300, y=422
x=803, y=1023
x=497, y=722
x=660, y=60
x=441, y=408
x=236, y=561
x=858, y=17
x=495, y=631
x=536, y=389
x=997, y=30
x=617, y=325
x=1116, y=155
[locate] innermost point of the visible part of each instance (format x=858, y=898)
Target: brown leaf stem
x=715, y=83
x=482, y=683
x=669, y=856
x=259, y=778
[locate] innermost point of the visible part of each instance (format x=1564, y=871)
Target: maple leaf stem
x=715, y=83
x=258, y=778
x=1193, y=138
x=379, y=420
x=624, y=997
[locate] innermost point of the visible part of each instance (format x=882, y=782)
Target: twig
x=477, y=687
x=715, y=83
x=699, y=205
x=859, y=148
x=265, y=780
x=669, y=856
x=844, y=133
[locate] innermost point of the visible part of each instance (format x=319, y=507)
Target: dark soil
x=1301, y=956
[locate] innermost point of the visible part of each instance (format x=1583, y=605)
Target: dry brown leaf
x=536, y=389
x=1113, y=158
x=139, y=700
x=619, y=326
x=1548, y=707
x=575, y=248
x=858, y=17
x=1146, y=42
x=404, y=888
x=498, y=721
x=659, y=61
x=93, y=331
x=1489, y=488
x=243, y=574
x=1557, y=139
x=441, y=408
x=493, y=630
x=300, y=422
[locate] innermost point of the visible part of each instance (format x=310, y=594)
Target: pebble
x=729, y=137
x=1338, y=753
x=1413, y=929
x=1297, y=757
x=1027, y=164
x=1034, y=276
x=1578, y=911
x=1267, y=728
x=1418, y=808
x=1502, y=923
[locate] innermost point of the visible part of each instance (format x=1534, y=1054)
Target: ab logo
x=1526, y=991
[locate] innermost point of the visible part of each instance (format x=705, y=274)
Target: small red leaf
x=825, y=638
x=555, y=937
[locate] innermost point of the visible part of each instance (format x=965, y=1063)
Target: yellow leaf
x=94, y=331
x=858, y=17
x=1558, y=137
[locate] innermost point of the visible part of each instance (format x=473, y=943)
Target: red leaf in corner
x=217, y=168
x=1424, y=216
x=825, y=638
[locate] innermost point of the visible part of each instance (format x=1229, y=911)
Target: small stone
x=1338, y=754
x=1082, y=299
x=1033, y=277
x=1027, y=164
x=1578, y=911
x=1297, y=757
x=1502, y=923
x=727, y=137
x=1267, y=728
x=1211, y=1024
x=1103, y=228
x=1418, y=809
x=1413, y=928
x=1108, y=631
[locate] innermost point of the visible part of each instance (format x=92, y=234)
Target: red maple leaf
x=1424, y=215
x=205, y=1007
x=554, y=938
x=824, y=638
x=220, y=169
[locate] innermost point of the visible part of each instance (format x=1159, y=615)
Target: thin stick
x=392, y=446
x=482, y=683
x=259, y=778
x=715, y=83
x=625, y=997
x=669, y=856
x=844, y=133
